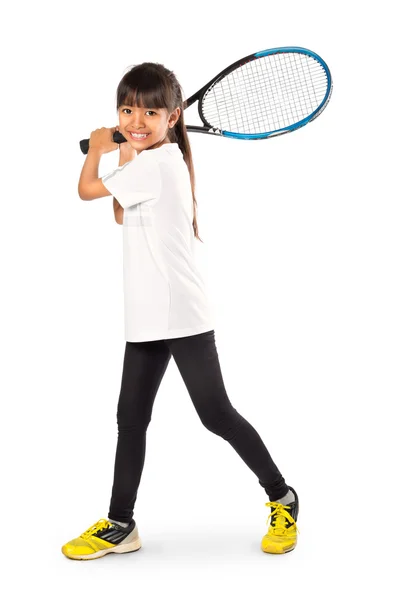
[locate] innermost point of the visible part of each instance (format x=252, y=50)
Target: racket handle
x=118, y=138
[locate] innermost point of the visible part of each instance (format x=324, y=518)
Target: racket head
x=265, y=94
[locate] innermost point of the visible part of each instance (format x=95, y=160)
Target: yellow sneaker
x=282, y=533
x=101, y=538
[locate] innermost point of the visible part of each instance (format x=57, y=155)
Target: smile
x=139, y=136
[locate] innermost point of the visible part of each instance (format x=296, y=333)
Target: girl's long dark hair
x=151, y=85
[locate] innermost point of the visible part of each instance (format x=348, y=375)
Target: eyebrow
x=143, y=108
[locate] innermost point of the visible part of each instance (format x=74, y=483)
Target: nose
x=136, y=124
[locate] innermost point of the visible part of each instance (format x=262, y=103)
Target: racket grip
x=118, y=138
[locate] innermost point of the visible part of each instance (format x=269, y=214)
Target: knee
x=223, y=424
x=129, y=421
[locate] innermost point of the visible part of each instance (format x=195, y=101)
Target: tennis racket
x=262, y=95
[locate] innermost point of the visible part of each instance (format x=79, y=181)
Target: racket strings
x=267, y=94
x=272, y=91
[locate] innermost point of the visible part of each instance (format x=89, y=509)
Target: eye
x=152, y=111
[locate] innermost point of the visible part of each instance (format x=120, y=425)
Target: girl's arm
x=90, y=185
x=118, y=211
x=126, y=154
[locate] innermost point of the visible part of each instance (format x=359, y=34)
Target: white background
x=301, y=259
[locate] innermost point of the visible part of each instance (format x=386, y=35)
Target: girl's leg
x=197, y=360
x=144, y=366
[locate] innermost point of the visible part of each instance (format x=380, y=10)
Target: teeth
x=137, y=135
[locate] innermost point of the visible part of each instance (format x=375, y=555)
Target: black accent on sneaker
x=115, y=533
x=293, y=510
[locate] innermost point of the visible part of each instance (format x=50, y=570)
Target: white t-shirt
x=164, y=293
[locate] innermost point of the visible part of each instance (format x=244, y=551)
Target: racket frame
x=210, y=129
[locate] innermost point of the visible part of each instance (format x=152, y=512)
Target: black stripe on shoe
x=294, y=510
x=115, y=533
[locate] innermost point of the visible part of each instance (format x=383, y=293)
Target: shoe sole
x=131, y=547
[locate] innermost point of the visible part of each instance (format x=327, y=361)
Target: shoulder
x=166, y=150
x=145, y=156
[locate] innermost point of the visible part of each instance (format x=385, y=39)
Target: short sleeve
x=136, y=181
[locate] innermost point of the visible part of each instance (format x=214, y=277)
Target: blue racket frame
x=289, y=128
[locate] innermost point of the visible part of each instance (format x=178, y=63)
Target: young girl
x=166, y=308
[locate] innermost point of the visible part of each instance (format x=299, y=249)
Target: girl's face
x=154, y=122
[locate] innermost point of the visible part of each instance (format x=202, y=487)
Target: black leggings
x=197, y=360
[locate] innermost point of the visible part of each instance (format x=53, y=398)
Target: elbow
x=82, y=194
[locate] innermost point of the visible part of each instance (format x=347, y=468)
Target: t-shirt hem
x=171, y=333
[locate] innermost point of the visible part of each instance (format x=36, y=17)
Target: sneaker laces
x=101, y=524
x=280, y=515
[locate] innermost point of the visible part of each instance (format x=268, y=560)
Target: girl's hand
x=126, y=152
x=102, y=139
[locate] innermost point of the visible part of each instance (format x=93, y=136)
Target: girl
x=166, y=308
